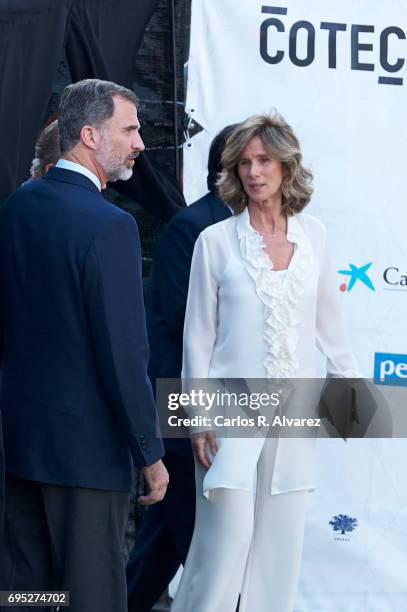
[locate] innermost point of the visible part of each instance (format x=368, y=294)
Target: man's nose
x=138, y=143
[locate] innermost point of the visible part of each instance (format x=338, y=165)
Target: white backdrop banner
x=337, y=72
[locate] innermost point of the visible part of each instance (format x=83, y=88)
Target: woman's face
x=261, y=175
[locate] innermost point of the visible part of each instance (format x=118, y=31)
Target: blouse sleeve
x=331, y=336
x=201, y=313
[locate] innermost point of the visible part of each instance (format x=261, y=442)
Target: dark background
x=45, y=45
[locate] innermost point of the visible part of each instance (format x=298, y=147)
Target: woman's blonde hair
x=282, y=144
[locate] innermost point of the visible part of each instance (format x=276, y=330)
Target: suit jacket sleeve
x=114, y=299
x=1, y=345
x=172, y=265
x=331, y=336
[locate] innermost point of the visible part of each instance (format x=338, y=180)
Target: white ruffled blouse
x=243, y=320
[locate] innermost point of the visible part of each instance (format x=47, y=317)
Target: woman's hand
x=199, y=442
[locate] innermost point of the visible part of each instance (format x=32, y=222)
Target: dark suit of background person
x=76, y=402
x=165, y=532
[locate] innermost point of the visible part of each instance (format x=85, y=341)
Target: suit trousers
x=68, y=539
x=247, y=543
x=163, y=538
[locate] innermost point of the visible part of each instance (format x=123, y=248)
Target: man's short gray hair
x=88, y=102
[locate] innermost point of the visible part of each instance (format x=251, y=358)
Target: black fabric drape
x=32, y=34
x=154, y=190
x=103, y=39
x=84, y=56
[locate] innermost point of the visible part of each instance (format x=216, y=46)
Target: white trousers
x=244, y=542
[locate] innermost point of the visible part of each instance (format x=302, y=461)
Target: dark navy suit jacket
x=76, y=401
x=167, y=291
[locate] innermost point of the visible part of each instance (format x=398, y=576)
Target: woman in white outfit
x=262, y=296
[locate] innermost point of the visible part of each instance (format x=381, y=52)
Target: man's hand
x=199, y=442
x=156, y=477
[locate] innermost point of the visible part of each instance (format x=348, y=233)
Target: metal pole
x=174, y=89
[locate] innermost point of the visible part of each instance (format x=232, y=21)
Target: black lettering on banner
x=357, y=46
x=385, y=273
x=332, y=28
x=390, y=81
x=384, y=49
x=264, y=30
x=309, y=58
x=274, y=10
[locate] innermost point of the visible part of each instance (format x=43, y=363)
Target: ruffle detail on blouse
x=281, y=297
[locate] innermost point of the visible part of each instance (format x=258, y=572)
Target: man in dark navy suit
x=78, y=408
x=47, y=153
x=165, y=533
x=2, y=494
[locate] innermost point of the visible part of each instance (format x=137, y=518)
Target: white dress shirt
x=245, y=321
x=69, y=165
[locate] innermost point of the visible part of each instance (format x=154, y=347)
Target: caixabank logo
x=394, y=279
x=390, y=369
x=356, y=274
x=391, y=278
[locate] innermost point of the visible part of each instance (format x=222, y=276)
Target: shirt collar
x=65, y=164
x=244, y=228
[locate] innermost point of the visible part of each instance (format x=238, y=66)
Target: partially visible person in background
x=47, y=151
x=163, y=539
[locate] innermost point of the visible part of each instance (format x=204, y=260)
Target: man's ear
x=90, y=136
